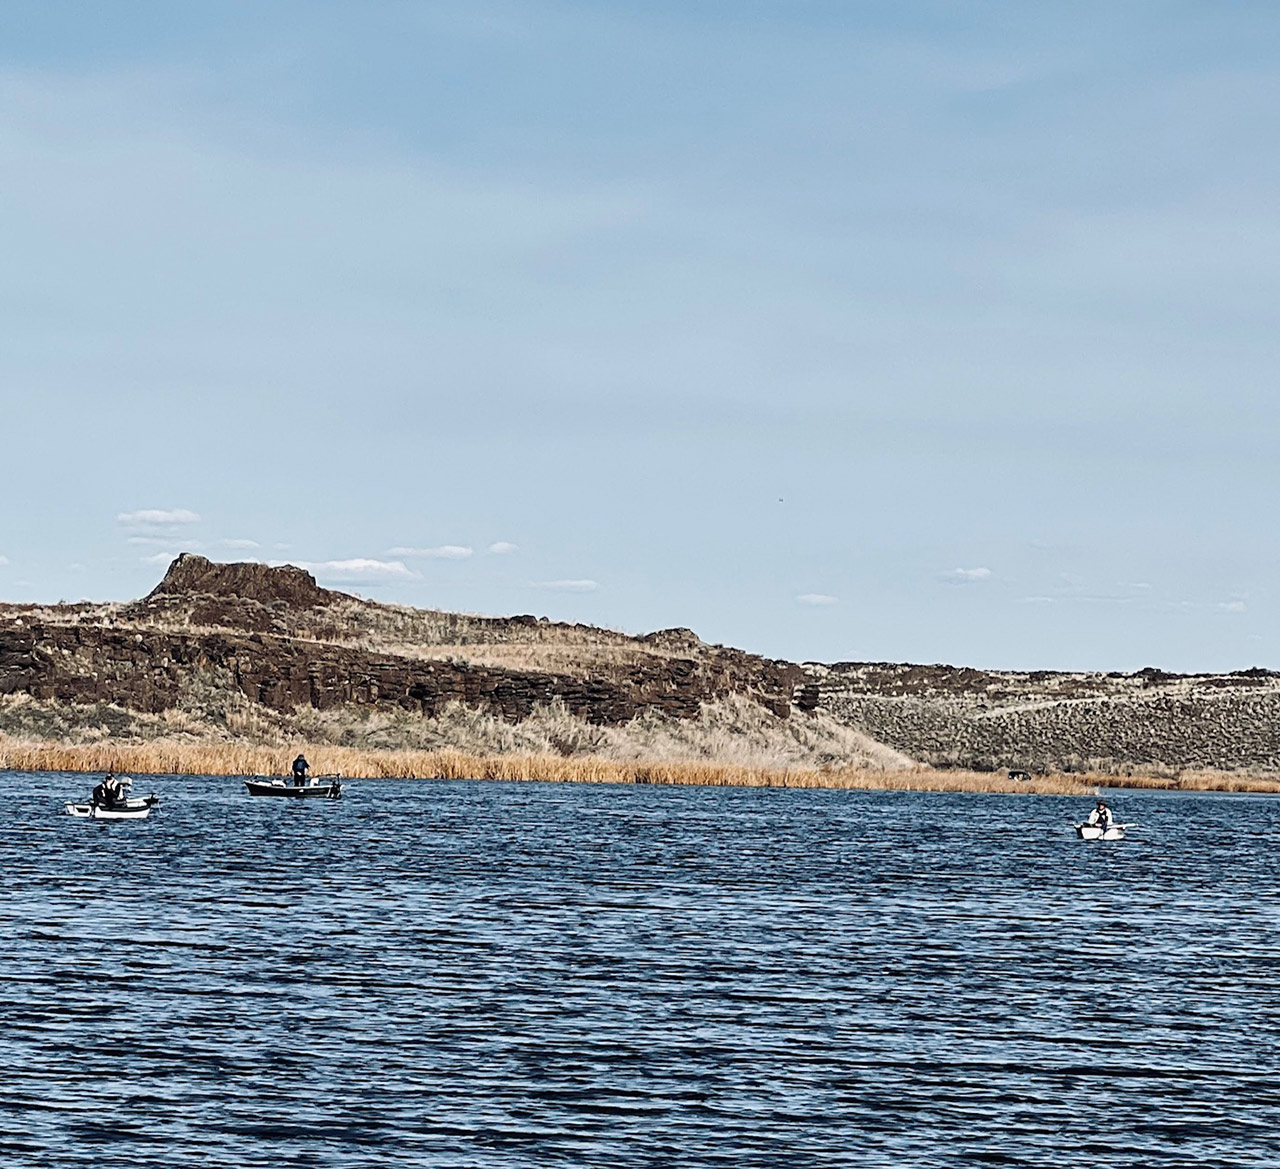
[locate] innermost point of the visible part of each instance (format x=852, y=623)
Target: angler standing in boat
x=300, y=769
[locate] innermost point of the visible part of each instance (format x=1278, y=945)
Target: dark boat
x=324, y=787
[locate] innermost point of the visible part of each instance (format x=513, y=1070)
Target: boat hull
x=1093, y=832
x=93, y=812
x=327, y=790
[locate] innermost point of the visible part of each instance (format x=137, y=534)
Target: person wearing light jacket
x=1101, y=817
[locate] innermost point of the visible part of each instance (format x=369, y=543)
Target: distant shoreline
x=163, y=757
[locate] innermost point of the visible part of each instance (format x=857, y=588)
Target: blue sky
x=901, y=331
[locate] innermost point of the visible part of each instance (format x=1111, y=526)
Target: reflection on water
x=508, y=975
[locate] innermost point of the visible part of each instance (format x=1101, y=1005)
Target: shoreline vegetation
x=159, y=757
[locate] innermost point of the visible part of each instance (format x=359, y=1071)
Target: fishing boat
x=1093, y=832
x=323, y=787
x=128, y=808
x=137, y=809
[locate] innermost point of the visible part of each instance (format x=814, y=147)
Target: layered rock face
x=948, y=716
x=276, y=637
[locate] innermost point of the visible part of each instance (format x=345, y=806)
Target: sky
x=904, y=331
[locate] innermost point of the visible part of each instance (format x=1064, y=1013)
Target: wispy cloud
x=156, y=517
x=356, y=571
x=1231, y=606
x=243, y=544
x=817, y=599
x=3, y=561
x=569, y=586
x=967, y=575
x=171, y=543
x=502, y=548
x=441, y=552
x=1040, y=600
x=158, y=558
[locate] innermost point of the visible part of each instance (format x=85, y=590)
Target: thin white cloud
x=817, y=599
x=442, y=552
x=245, y=544
x=1232, y=606
x=3, y=561
x=569, y=586
x=158, y=558
x=502, y=547
x=1036, y=600
x=967, y=575
x=356, y=571
x=156, y=517
x=169, y=543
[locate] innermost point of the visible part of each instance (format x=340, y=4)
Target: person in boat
x=300, y=769
x=108, y=793
x=1101, y=817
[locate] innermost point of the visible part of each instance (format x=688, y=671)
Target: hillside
x=220, y=652
x=1149, y=721
x=251, y=654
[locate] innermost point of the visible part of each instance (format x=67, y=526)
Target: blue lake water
x=492, y=975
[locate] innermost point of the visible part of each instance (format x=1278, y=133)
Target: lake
x=492, y=975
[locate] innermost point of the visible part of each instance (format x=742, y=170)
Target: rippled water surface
x=507, y=974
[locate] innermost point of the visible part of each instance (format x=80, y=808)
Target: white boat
x=1093, y=832
x=135, y=808
x=129, y=810
x=324, y=787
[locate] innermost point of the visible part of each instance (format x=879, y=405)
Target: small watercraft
x=1094, y=832
x=137, y=809
x=323, y=787
x=121, y=808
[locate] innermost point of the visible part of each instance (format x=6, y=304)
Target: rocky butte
x=247, y=652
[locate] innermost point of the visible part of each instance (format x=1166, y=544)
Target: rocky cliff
x=278, y=640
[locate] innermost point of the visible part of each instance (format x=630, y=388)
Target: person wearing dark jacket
x=300, y=769
x=107, y=793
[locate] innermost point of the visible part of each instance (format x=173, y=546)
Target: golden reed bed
x=161, y=757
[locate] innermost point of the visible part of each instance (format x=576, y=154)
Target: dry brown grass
x=1197, y=781
x=725, y=746
x=546, y=658
x=734, y=731
x=167, y=757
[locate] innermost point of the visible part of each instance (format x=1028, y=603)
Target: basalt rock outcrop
x=273, y=636
x=196, y=576
x=148, y=671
